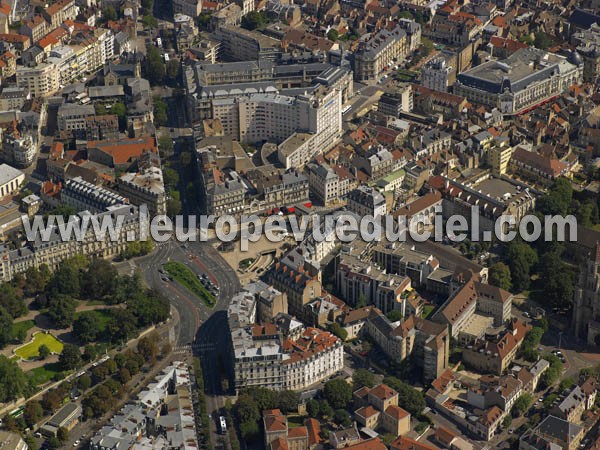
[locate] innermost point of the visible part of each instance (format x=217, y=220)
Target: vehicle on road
x=222, y=425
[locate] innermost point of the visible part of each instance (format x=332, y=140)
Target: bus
x=346, y=109
x=222, y=425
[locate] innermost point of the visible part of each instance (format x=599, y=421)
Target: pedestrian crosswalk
x=193, y=347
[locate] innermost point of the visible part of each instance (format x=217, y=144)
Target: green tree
x=342, y=417
x=6, y=322
x=160, y=111
x=254, y=20
x=362, y=377
x=165, y=145
x=155, y=67
x=408, y=397
x=122, y=325
x=552, y=374
x=13, y=382
x=149, y=21
x=499, y=275
x=70, y=358
x=100, y=280
x=312, y=407
x=287, y=401
x=405, y=15
x=170, y=177
x=44, y=351
x=147, y=5
x=65, y=280
x=87, y=328
x=36, y=281
x=90, y=352
x=557, y=200
x=33, y=413
x=62, y=311
x=12, y=300
x=54, y=443
x=109, y=13
x=120, y=110
x=522, y=404
x=394, y=315
x=84, y=382
x=333, y=35
x=325, y=409
x=62, y=434
x=172, y=69
x=557, y=280
x=566, y=383
x=338, y=331
x=338, y=393
x=542, y=40
x=506, y=422
x=173, y=205
x=148, y=348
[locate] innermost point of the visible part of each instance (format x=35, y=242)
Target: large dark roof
x=583, y=19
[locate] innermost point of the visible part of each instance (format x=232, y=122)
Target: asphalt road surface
x=204, y=330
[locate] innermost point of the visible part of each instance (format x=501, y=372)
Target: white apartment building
x=76, y=61
x=303, y=125
x=323, y=183
x=385, y=48
x=436, y=74
x=11, y=180
x=40, y=81
x=263, y=356
x=20, y=149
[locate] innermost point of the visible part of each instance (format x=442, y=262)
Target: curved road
x=201, y=258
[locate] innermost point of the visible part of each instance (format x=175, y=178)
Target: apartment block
x=495, y=355
x=379, y=51
x=145, y=187
x=39, y=81
x=426, y=341
x=264, y=356
x=366, y=201
x=378, y=407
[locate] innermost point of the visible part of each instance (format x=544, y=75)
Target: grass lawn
x=189, y=280
x=21, y=327
x=43, y=374
x=295, y=421
x=30, y=350
x=427, y=310
x=245, y=263
x=102, y=316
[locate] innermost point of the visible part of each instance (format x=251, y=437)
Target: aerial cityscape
x=299, y=224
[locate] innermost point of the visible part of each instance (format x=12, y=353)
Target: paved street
x=202, y=328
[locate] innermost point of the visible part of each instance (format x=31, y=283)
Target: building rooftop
x=8, y=173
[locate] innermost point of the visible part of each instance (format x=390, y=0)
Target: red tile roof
x=314, y=431
x=274, y=421
x=444, y=435
x=366, y=412
x=396, y=412
x=370, y=444
x=383, y=392
x=125, y=150
x=405, y=443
